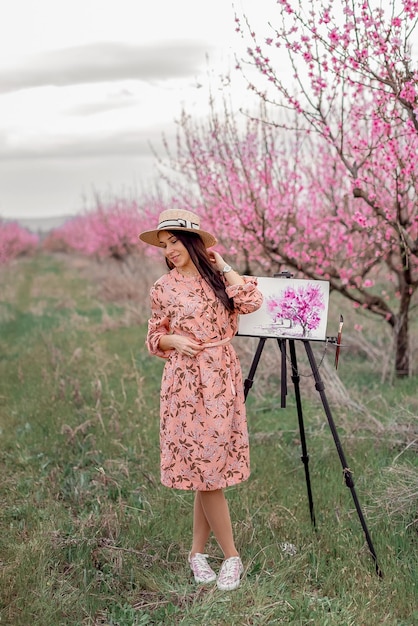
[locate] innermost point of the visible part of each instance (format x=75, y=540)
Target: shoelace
x=231, y=570
x=200, y=566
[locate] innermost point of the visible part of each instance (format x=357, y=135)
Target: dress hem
x=225, y=486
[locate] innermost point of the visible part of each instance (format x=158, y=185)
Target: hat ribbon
x=179, y=222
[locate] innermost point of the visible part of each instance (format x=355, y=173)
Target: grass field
x=88, y=536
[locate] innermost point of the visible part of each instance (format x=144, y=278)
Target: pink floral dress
x=203, y=426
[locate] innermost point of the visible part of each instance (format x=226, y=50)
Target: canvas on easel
x=291, y=309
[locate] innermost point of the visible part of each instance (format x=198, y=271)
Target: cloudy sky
x=87, y=85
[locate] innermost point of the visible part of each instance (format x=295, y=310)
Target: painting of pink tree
x=292, y=308
x=298, y=308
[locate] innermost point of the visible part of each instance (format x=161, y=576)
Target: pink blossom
x=408, y=92
x=334, y=36
x=15, y=241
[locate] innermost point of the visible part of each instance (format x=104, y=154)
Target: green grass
x=88, y=536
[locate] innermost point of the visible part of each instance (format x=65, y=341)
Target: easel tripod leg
x=305, y=456
x=319, y=385
x=248, y=382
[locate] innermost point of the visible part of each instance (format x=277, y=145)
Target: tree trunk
x=401, y=330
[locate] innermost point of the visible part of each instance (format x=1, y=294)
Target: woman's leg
x=214, y=507
x=201, y=527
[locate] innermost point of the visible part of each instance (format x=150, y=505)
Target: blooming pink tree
x=110, y=230
x=355, y=86
x=15, y=241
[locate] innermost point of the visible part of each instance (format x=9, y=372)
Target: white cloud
x=105, y=61
x=96, y=145
x=64, y=186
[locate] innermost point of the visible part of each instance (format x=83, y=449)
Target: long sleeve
x=158, y=325
x=247, y=298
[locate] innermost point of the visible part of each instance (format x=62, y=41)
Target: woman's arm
x=231, y=276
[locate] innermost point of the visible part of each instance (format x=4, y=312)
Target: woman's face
x=174, y=250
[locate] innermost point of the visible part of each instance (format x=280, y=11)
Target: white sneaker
x=230, y=574
x=202, y=571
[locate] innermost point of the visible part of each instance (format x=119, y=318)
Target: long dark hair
x=199, y=255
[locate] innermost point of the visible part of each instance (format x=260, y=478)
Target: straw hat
x=177, y=219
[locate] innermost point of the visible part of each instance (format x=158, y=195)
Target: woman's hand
x=232, y=277
x=216, y=259
x=182, y=344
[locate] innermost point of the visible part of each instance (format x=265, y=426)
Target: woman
x=203, y=429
